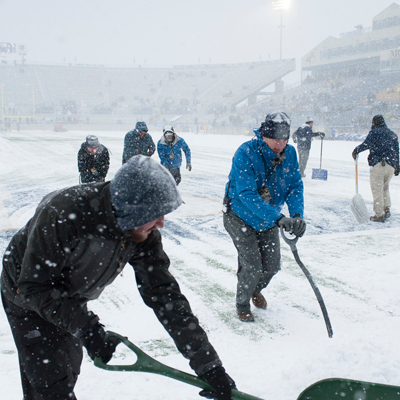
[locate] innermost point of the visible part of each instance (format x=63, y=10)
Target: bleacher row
x=342, y=104
x=194, y=89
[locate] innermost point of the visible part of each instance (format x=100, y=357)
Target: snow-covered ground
x=355, y=266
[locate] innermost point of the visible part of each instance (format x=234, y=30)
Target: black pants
x=90, y=179
x=259, y=257
x=49, y=358
x=176, y=173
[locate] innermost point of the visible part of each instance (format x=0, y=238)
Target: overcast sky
x=160, y=32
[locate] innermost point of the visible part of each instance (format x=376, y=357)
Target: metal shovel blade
x=321, y=174
x=359, y=209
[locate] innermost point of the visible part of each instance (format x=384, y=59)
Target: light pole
x=281, y=5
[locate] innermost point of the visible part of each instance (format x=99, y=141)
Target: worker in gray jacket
x=138, y=141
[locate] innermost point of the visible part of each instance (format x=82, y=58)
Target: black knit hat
x=92, y=141
x=377, y=120
x=276, y=126
x=142, y=190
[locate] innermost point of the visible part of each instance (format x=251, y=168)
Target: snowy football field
x=356, y=268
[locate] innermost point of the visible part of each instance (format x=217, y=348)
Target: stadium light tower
x=281, y=5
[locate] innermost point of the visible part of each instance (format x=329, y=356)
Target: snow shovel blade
x=359, y=209
x=337, y=388
x=145, y=363
x=321, y=174
x=292, y=245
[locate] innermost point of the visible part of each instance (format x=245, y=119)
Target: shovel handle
x=145, y=363
x=290, y=242
x=356, y=165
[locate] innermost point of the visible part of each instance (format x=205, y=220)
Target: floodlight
x=280, y=4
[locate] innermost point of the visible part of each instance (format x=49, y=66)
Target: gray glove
x=189, y=166
x=322, y=134
x=295, y=225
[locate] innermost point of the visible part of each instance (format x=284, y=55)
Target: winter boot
x=387, y=212
x=246, y=316
x=259, y=301
x=375, y=218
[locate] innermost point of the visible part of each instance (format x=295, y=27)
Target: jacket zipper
x=121, y=267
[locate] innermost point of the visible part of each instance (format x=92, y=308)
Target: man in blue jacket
x=138, y=141
x=303, y=136
x=169, y=149
x=264, y=175
x=383, y=145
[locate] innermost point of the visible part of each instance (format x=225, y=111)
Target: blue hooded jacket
x=248, y=175
x=170, y=152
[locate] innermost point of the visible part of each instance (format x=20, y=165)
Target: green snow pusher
x=347, y=389
x=327, y=389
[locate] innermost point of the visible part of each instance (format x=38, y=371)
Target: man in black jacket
x=303, y=136
x=138, y=141
x=93, y=160
x=76, y=244
x=383, y=145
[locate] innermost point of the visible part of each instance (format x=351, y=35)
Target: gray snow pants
x=176, y=173
x=259, y=257
x=49, y=358
x=303, y=160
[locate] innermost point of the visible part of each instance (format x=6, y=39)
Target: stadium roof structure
x=373, y=49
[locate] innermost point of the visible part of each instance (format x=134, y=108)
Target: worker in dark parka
x=78, y=241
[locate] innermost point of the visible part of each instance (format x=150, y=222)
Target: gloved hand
x=396, y=171
x=95, y=344
x=322, y=134
x=189, y=166
x=299, y=225
x=295, y=225
x=221, y=382
x=354, y=153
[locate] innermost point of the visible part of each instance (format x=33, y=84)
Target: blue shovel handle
x=145, y=363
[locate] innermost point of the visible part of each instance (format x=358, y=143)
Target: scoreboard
x=7, y=47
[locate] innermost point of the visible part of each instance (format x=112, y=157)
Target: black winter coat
x=93, y=167
x=135, y=145
x=383, y=144
x=72, y=249
x=304, y=135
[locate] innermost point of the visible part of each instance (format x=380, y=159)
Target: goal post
x=3, y=113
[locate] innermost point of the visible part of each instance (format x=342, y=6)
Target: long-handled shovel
x=357, y=205
x=145, y=363
x=320, y=173
x=292, y=245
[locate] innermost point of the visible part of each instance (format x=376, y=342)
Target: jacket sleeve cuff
x=204, y=368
